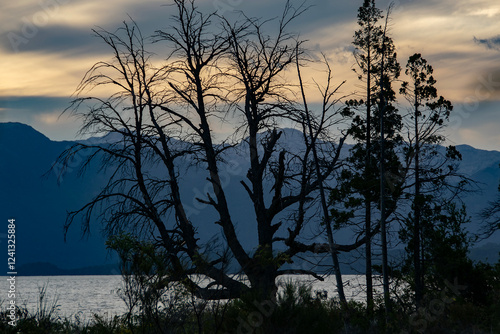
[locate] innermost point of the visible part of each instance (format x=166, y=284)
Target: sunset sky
x=47, y=46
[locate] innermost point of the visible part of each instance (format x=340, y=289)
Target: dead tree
x=162, y=116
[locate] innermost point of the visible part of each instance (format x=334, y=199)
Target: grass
x=295, y=311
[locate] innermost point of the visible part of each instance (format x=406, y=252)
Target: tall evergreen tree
x=377, y=67
x=426, y=121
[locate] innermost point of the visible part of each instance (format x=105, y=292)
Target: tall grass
x=296, y=310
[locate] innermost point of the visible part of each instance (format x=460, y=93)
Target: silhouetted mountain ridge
x=39, y=204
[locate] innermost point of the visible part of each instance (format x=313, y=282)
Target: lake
x=83, y=296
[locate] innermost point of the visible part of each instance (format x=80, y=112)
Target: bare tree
x=162, y=116
x=313, y=128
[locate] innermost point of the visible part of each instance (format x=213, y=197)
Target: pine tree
x=427, y=119
x=377, y=67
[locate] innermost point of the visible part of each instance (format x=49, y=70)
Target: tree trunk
x=368, y=219
x=416, y=225
x=324, y=206
x=383, y=232
x=263, y=283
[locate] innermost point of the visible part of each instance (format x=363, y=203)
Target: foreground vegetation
x=469, y=307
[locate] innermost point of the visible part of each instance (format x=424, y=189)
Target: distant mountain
x=483, y=167
x=39, y=204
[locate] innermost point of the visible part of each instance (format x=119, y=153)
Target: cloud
x=475, y=123
x=492, y=43
x=33, y=104
x=43, y=113
x=56, y=44
x=43, y=74
x=55, y=39
x=486, y=85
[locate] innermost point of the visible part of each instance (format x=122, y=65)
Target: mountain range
x=31, y=194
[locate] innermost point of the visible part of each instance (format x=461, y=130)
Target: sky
x=46, y=47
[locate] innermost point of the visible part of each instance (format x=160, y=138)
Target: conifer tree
x=377, y=67
x=426, y=120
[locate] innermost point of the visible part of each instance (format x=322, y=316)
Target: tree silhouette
x=162, y=116
x=432, y=174
x=377, y=67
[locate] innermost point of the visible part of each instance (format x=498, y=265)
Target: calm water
x=74, y=295
x=86, y=295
